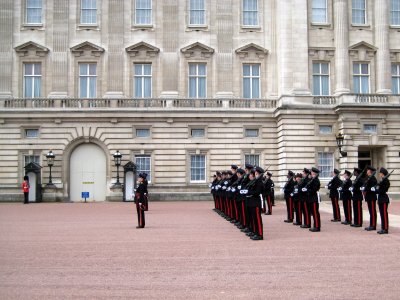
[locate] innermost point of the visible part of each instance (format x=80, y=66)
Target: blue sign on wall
x=85, y=195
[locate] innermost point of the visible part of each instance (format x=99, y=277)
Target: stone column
x=342, y=61
x=383, y=74
x=6, y=50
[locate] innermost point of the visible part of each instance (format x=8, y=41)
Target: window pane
x=364, y=69
x=143, y=165
x=142, y=132
x=370, y=128
x=395, y=12
x=250, y=12
x=325, y=129
x=31, y=133
x=253, y=159
x=197, y=132
x=28, y=69
x=197, y=168
x=325, y=164
x=251, y=132
x=83, y=69
x=92, y=69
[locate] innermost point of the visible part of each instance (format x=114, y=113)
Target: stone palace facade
x=183, y=88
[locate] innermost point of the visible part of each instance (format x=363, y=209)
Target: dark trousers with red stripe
x=269, y=203
x=306, y=213
x=347, y=210
x=358, y=213
x=335, y=208
x=314, y=209
x=297, y=210
x=242, y=213
x=256, y=221
x=383, y=210
x=140, y=215
x=289, y=208
x=372, y=213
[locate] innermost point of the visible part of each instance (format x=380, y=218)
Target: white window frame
x=396, y=78
x=191, y=169
x=325, y=174
x=369, y=128
x=197, y=136
x=197, y=76
x=144, y=157
x=251, y=11
x=32, y=130
x=27, y=158
x=88, y=9
x=247, y=132
x=137, y=130
x=143, y=9
x=317, y=77
x=89, y=77
x=394, y=12
x=313, y=8
x=359, y=75
x=252, y=158
x=251, y=77
x=321, y=132
x=192, y=10
x=142, y=78
x=28, y=8
x=34, y=77
x=353, y=9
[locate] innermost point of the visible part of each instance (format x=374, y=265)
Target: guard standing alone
x=25, y=189
x=140, y=199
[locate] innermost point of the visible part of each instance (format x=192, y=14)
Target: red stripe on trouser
x=359, y=212
x=373, y=210
x=385, y=217
x=269, y=201
x=259, y=222
x=299, y=212
x=243, y=214
x=236, y=210
x=315, y=215
x=349, y=209
x=337, y=208
x=290, y=208
x=307, y=220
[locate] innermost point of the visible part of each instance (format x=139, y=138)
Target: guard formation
x=242, y=195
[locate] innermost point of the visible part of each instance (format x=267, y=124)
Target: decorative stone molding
x=321, y=53
x=362, y=51
x=142, y=48
x=31, y=49
x=87, y=49
x=197, y=50
x=395, y=55
x=250, y=49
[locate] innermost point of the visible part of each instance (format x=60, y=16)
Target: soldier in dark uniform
x=212, y=191
x=268, y=193
x=303, y=196
x=370, y=197
x=333, y=186
x=245, y=209
x=237, y=199
x=225, y=185
x=357, y=198
x=345, y=196
x=313, y=199
x=140, y=200
x=288, y=191
x=383, y=199
x=296, y=199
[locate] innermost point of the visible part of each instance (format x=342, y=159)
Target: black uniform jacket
x=303, y=195
x=296, y=194
x=381, y=189
x=333, y=185
x=255, y=189
x=313, y=187
x=268, y=187
x=345, y=193
x=288, y=188
x=140, y=191
x=357, y=194
x=368, y=184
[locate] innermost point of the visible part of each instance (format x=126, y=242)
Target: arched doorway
x=88, y=173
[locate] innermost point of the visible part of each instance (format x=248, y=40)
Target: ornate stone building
x=183, y=88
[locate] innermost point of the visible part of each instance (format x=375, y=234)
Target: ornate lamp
x=117, y=160
x=50, y=162
x=340, y=143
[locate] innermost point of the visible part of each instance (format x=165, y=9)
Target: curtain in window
x=197, y=12
x=250, y=12
x=34, y=11
x=395, y=12
x=28, y=87
x=358, y=11
x=197, y=168
x=319, y=14
x=325, y=164
x=143, y=11
x=89, y=11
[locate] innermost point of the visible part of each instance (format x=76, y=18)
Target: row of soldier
x=240, y=196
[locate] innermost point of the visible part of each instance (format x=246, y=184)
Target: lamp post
x=50, y=162
x=340, y=142
x=117, y=160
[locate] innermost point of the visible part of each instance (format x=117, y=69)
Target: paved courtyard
x=187, y=251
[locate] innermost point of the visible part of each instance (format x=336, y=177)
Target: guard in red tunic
x=140, y=199
x=383, y=199
x=25, y=189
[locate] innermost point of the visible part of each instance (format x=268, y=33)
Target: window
x=143, y=12
x=32, y=80
x=142, y=80
x=251, y=133
x=143, y=165
x=88, y=11
x=359, y=12
x=197, y=80
x=325, y=129
x=87, y=80
x=34, y=11
x=250, y=12
x=197, y=12
x=251, y=81
x=143, y=133
x=319, y=11
x=31, y=158
x=395, y=12
x=325, y=164
x=396, y=78
x=370, y=128
x=321, y=79
x=361, y=78
x=31, y=133
x=253, y=159
x=197, y=168
x=197, y=132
